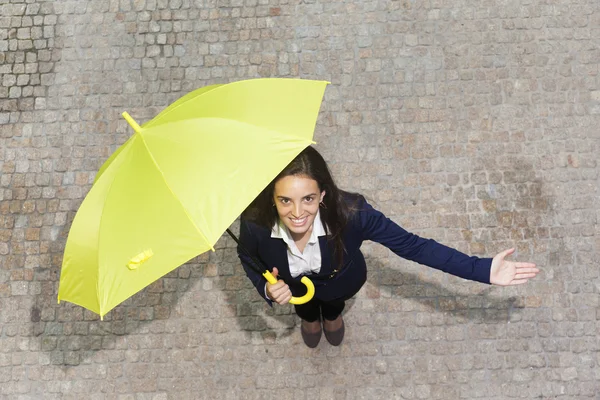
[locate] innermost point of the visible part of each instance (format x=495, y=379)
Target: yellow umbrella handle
x=310, y=288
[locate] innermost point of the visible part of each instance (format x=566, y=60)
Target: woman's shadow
x=393, y=285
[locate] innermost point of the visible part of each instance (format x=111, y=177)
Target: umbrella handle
x=310, y=288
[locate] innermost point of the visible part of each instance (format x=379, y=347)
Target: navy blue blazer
x=365, y=224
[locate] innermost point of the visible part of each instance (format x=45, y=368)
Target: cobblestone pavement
x=472, y=122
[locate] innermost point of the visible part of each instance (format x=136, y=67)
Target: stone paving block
x=474, y=124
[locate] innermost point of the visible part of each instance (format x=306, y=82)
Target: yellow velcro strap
x=136, y=261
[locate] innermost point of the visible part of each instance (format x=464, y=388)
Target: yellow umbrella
x=171, y=191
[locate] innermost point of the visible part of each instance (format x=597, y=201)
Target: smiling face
x=297, y=199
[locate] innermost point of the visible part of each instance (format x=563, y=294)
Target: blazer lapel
x=276, y=253
x=278, y=256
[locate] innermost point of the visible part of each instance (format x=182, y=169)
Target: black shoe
x=310, y=339
x=336, y=337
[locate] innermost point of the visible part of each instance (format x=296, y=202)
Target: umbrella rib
x=173, y=193
x=257, y=263
x=101, y=301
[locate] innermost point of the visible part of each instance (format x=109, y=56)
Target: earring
x=321, y=204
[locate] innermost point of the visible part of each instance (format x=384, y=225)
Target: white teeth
x=298, y=221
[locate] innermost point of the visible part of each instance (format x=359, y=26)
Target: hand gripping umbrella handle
x=310, y=288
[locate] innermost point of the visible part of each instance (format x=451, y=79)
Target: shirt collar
x=280, y=231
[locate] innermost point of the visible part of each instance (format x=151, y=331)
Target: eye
x=308, y=199
x=284, y=201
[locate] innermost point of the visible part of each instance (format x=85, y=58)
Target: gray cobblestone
x=471, y=123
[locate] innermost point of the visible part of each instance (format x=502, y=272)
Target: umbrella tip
x=131, y=122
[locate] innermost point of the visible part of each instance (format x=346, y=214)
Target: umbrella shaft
x=255, y=264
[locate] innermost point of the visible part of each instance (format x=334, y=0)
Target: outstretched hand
x=507, y=273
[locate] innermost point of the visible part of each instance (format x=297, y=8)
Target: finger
x=506, y=253
x=525, y=276
x=278, y=285
x=526, y=266
x=518, y=282
x=287, y=298
x=284, y=292
x=278, y=292
x=275, y=272
x=526, y=270
x=284, y=298
x=274, y=289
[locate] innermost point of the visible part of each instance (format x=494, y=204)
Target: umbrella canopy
x=169, y=193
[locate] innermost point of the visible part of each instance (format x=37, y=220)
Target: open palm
x=506, y=273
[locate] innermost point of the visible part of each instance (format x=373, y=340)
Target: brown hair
x=335, y=211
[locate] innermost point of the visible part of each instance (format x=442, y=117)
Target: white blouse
x=307, y=261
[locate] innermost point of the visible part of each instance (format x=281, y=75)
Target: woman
x=303, y=225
